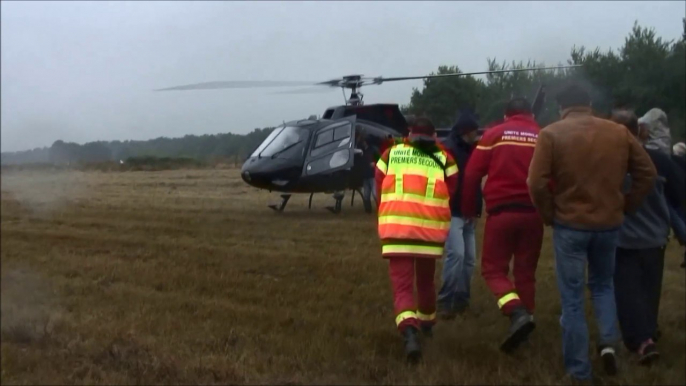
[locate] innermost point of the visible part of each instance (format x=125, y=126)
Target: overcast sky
x=85, y=71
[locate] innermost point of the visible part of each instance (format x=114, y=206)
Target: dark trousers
x=638, y=284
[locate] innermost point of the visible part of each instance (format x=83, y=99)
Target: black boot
x=367, y=206
x=521, y=325
x=609, y=357
x=461, y=307
x=445, y=311
x=428, y=330
x=413, y=349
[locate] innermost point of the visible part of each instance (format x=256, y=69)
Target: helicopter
x=320, y=154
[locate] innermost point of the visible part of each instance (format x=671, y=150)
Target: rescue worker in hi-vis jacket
x=513, y=226
x=415, y=179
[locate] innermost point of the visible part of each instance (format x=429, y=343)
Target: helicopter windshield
x=281, y=140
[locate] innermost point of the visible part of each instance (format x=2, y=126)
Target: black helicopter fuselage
x=307, y=156
x=313, y=156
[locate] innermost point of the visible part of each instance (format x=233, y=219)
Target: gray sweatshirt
x=649, y=226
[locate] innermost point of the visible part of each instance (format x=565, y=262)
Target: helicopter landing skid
x=284, y=201
x=336, y=209
x=352, y=199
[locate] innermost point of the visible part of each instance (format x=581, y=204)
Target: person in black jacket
x=370, y=154
x=460, y=248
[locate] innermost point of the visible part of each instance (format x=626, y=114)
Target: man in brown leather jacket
x=575, y=180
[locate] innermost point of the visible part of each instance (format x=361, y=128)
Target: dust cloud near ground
x=28, y=307
x=43, y=193
x=187, y=277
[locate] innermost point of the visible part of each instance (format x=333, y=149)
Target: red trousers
x=508, y=234
x=409, y=312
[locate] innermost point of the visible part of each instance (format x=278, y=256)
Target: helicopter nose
x=246, y=175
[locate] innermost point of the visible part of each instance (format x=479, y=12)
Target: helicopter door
x=332, y=148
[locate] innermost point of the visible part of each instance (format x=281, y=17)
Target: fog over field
x=85, y=71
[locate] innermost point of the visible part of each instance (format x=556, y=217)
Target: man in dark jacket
x=460, y=247
x=640, y=254
x=370, y=154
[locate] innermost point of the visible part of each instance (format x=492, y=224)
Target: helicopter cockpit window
x=341, y=132
x=266, y=141
x=329, y=135
x=290, y=140
x=323, y=138
x=331, y=138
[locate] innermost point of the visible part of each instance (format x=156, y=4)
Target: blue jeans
x=573, y=250
x=369, y=191
x=460, y=249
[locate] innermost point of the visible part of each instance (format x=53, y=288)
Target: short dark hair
x=518, y=105
x=627, y=118
x=423, y=122
x=573, y=95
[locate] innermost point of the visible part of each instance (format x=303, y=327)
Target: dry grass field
x=187, y=277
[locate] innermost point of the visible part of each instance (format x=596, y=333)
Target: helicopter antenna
x=345, y=100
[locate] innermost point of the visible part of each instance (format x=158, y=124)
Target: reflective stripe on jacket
x=414, y=205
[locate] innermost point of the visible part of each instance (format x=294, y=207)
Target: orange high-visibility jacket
x=414, y=201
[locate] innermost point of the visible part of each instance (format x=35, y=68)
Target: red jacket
x=503, y=154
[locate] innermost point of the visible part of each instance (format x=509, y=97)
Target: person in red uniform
x=513, y=226
x=415, y=181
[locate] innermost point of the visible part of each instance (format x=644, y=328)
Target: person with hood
x=460, y=248
x=513, y=227
x=415, y=181
x=679, y=155
x=655, y=127
x=679, y=158
x=640, y=254
x=659, y=136
x=575, y=181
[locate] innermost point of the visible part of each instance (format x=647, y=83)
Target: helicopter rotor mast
x=352, y=82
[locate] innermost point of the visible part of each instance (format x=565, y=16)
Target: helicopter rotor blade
x=380, y=80
x=309, y=90
x=350, y=81
x=236, y=84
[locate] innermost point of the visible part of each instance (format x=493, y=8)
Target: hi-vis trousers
x=508, y=234
x=402, y=271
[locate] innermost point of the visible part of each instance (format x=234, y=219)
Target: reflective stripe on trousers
x=507, y=298
x=414, y=315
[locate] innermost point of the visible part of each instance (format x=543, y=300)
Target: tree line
x=645, y=72
x=228, y=147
